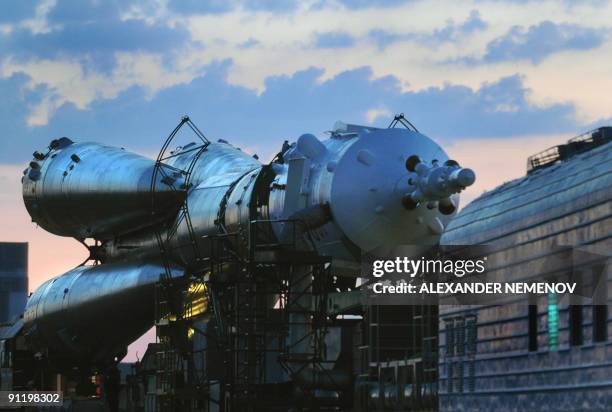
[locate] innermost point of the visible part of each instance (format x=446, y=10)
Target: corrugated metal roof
x=585, y=179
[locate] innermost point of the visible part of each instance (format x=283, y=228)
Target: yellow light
x=196, y=301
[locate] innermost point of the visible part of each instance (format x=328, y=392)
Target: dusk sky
x=493, y=81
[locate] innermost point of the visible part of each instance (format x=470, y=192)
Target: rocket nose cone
x=466, y=177
x=370, y=179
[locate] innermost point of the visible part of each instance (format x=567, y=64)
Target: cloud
x=92, y=51
x=69, y=82
x=94, y=43
x=251, y=42
x=333, y=40
x=186, y=7
x=372, y=3
x=288, y=107
x=542, y=40
x=473, y=23
x=449, y=32
x=383, y=38
x=16, y=106
x=95, y=37
x=200, y=7
x=224, y=6
x=374, y=114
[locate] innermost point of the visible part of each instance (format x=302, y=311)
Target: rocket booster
x=111, y=302
x=87, y=190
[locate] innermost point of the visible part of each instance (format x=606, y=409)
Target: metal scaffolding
x=267, y=307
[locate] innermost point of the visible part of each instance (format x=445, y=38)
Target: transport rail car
x=545, y=352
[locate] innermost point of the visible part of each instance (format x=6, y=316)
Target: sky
x=493, y=81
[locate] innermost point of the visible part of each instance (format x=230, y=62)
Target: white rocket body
x=358, y=191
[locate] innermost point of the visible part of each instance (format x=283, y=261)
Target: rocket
x=361, y=189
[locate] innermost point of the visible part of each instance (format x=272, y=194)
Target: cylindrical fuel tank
x=219, y=199
x=90, y=314
x=86, y=190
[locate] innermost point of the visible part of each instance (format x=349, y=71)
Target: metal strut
x=169, y=174
x=172, y=315
x=401, y=119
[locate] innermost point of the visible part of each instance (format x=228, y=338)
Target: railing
x=575, y=145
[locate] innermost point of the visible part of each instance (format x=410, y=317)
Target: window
x=450, y=376
x=533, y=328
x=450, y=337
x=472, y=333
x=471, y=345
x=600, y=309
x=471, y=375
x=459, y=370
x=575, y=325
x=600, y=323
x=460, y=336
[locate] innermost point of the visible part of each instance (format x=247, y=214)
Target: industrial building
x=13, y=297
x=13, y=279
x=542, y=353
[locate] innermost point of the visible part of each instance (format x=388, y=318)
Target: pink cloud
x=498, y=160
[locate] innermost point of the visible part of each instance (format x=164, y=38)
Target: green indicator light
x=553, y=322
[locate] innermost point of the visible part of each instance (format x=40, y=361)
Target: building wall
x=486, y=359
x=13, y=279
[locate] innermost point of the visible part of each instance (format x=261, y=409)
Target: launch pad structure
x=244, y=328
x=244, y=325
x=243, y=332
x=251, y=273
x=237, y=288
